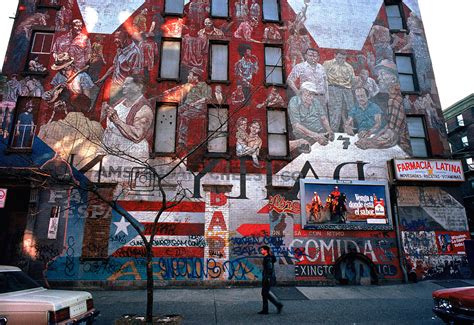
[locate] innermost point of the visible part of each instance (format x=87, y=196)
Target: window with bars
x=170, y=59
x=219, y=8
x=217, y=129
x=273, y=65
x=417, y=132
x=174, y=7
x=406, y=73
x=165, y=129
x=219, y=58
x=277, y=133
x=271, y=10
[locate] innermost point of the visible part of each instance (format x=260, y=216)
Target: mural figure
x=271, y=33
x=35, y=66
x=76, y=44
x=24, y=128
x=364, y=81
x=198, y=11
x=311, y=71
x=365, y=116
x=218, y=97
x=273, y=99
x=395, y=130
x=128, y=61
x=64, y=16
x=71, y=86
x=248, y=144
x=308, y=117
x=242, y=10
x=255, y=10
x=140, y=21
x=340, y=77
x=11, y=92
x=97, y=60
x=380, y=38
x=300, y=19
x=209, y=30
x=246, y=68
x=31, y=87
x=245, y=30
x=149, y=50
x=298, y=43
x=432, y=115
x=129, y=122
x=387, y=75
x=195, y=49
x=238, y=96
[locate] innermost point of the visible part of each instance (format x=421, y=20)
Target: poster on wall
x=345, y=205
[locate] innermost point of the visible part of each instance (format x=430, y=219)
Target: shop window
x=273, y=65
x=40, y=51
x=219, y=67
x=395, y=17
x=460, y=120
x=271, y=10
x=217, y=129
x=277, y=133
x=219, y=8
x=21, y=127
x=165, y=129
x=416, y=129
x=170, y=59
x=406, y=73
x=174, y=7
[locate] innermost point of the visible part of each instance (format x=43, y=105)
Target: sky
x=448, y=29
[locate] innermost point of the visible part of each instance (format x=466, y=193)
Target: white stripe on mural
x=179, y=217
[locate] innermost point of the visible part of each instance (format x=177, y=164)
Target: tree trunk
x=149, y=283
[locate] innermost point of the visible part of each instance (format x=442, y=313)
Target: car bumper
x=447, y=316
x=86, y=318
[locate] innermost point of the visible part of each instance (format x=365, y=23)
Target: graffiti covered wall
x=260, y=98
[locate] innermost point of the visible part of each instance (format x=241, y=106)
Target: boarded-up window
x=165, y=129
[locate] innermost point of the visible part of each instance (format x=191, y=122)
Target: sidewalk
x=389, y=304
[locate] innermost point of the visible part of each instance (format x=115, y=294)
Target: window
x=217, y=129
x=460, y=120
x=394, y=16
x=219, y=68
x=271, y=11
x=41, y=46
x=170, y=55
x=165, y=129
x=464, y=141
x=416, y=129
x=406, y=74
x=219, y=8
x=469, y=163
x=273, y=65
x=174, y=7
x=22, y=128
x=277, y=133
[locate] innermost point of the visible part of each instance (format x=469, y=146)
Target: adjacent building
x=313, y=127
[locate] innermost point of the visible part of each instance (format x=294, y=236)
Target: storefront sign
x=428, y=170
x=327, y=204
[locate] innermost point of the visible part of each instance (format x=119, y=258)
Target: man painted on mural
x=246, y=68
x=255, y=10
x=363, y=80
x=308, y=117
x=245, y=30
x=11, y=91
x=24, y=128
x=387, y=75
x=242, y=10
x=395, y=131
x=298, y=43
x=128, y=61
x=271, y=33
x=209, y=30
x=31, y=87
x=71, y=86
x=273, y=99
x=195, y=49
x=64, y=16
x=76, y=44
x=248, y=144
x=380, y=37
x=365, y=116
x=340, y=78
x=310, y=70
x=149, y=50
x=198, y=11
x=129, y=122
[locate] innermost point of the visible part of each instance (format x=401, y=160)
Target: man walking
x=268, y=279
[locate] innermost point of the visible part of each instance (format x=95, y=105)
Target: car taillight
x=90, y=303
x=59, y=315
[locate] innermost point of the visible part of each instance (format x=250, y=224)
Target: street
x=387, y=304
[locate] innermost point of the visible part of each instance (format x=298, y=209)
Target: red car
x=455, y=305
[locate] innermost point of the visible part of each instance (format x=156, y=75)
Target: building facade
x=310, y=126
x=459, y=118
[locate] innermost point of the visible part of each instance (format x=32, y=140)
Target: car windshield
x=16, y=281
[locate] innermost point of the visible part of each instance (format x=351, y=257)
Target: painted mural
x=310, y=90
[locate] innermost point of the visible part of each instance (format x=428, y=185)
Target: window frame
x=414, y=74
x=155, y=153
x=176, y=40
x=177, y=14
x=216, y=16
x=278, y=21
x=283, y=76
x=226, y=153
x=464, y=144
x=426, y=137
x=402, y=16
x=287, y=134
x=460, y=120
x=31, y=55
x=209, y=66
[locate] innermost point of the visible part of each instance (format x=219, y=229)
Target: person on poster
x=268, y=280
x=315, y=209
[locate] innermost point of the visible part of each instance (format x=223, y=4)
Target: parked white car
x=23, y=301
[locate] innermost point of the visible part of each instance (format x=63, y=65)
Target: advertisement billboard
x=345, y=205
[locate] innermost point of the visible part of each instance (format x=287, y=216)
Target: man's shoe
x=279, y=308
x=263, y=312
